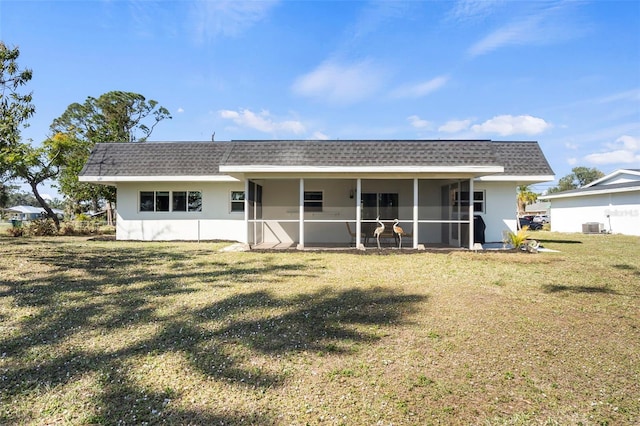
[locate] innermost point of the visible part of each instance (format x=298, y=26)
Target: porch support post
x=246, y=212
x=301, y=214
x=358, y=213
x=471, y=230
x=415, y=213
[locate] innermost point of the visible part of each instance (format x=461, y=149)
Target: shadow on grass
x=559, y=241
x=217, y=340
x=627, y=267
x=555, y=288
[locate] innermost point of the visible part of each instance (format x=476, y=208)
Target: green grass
x=106, y=332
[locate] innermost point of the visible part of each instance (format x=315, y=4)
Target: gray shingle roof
x=154, y=159
x=204, y=158
x=362, y=153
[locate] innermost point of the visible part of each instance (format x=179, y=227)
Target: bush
x=15, y=231
x=41, y=228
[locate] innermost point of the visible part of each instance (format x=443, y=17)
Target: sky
x=563, y=73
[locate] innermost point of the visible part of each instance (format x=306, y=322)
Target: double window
x=237, y=201
x=313, y=201
x=175, y=201
x=461, y=198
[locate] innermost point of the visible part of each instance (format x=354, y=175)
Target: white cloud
x=465, y=10
x=420, y=89
x=625, y=150
x=320, y=136
x=227, y=17
x=506, y=125
x=418, y=123
x=572, y=161
x=262, y=121
x=339, y=83
x=549, y=23
x=454, y=126
x=180, y=110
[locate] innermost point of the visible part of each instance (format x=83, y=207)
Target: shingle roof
x=361, y=153
x=154, y=159
x=204, y=158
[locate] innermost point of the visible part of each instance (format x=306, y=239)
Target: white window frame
x=313, y=209
x=233, y=201
x=171, y=210
x=465, y=203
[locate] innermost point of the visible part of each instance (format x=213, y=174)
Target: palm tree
x=525, y=196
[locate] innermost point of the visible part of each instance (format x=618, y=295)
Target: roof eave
x=359, y=170
x=599, y=191
x=112, y=180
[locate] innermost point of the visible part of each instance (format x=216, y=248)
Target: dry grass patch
x=106, y=332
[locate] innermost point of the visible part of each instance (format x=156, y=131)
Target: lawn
x=106, y=332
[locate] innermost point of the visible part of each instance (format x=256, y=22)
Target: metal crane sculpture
x=378, y=231
x=398, y=231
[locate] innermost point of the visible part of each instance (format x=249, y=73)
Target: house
x=30, y=212
x=303, y=193
x=609, y=204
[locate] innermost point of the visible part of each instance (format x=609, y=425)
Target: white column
x=301, y=214
x=415, y=213
x=471, y=231
x=246, y=212
x=358, y=212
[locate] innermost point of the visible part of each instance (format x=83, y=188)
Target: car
x=533, y=226
x=541, y=218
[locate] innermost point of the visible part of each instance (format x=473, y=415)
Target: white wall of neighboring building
x=214, y=222
x=622, y=208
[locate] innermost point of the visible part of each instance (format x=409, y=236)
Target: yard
x=106, y=332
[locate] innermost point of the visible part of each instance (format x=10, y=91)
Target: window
x=179, y=201
x=462, y=199
x=313, y=201
x=146, y=201
x=162, y=201
x=237, y=201
x=195, y=201
x=176, y=201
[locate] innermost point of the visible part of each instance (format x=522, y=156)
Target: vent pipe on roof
x=213, y=137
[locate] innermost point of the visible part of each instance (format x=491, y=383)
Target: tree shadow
x=215, y=340
x=626, y=267
x=557, y=288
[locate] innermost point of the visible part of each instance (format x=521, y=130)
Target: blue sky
x=564, y=73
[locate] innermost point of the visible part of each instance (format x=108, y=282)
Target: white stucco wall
x=501, y=208
x=214, y=222
x=568, y=214
x=280, y=205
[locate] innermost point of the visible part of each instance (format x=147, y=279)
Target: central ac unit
x=592, y=228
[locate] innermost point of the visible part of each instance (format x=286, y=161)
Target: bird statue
x=398, y=231
x=378, y=231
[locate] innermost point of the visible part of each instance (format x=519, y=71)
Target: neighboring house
x=30, y=212
x=297, y=193
x=537, y=208
x=609, y=204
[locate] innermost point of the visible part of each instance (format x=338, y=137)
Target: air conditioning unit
x=592, y=228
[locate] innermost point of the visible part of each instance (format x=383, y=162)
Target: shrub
x=518, y=239
x=41, y=228
x=15, y=231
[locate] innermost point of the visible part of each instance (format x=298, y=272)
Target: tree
x=34, y=166
x=525, y=196
x=19, y=160
x=113, y=117
x=15, y=107
x=579, y=177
